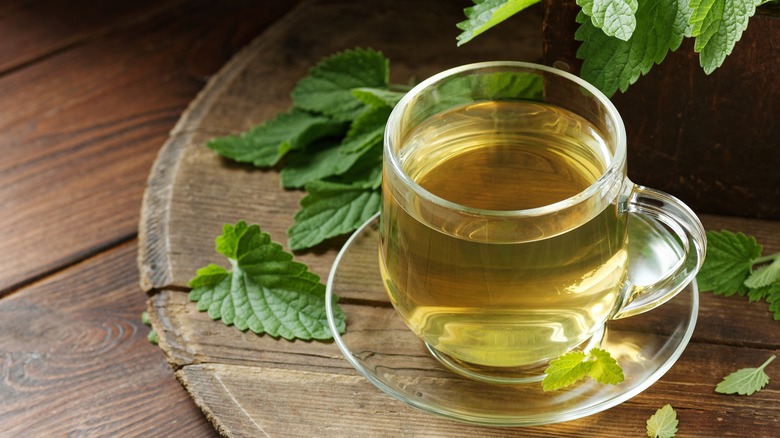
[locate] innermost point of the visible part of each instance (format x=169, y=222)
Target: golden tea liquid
x=494, y=300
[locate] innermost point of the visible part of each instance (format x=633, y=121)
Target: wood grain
x=74, y=358
x=711, y=139
x=249, y=385
x=82, y=126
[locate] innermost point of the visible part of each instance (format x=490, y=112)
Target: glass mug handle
x=643, y=202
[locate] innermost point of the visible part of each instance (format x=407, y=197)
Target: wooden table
x=90, y=94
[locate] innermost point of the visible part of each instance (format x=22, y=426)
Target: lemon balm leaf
x=717, y=26
x=377, y=97
x=335, y=160
x=764, y=276
x=488, y=13
x=604, y=368
x=663, y=424
x=575, y=365
x=727, y=265
x=331, y=209
x=615, y=17
x=366, y=130
x=328, y=87
x=610, y=63
x=265, y=291
x=565, y=370
x=745, y=381
x=264, y=145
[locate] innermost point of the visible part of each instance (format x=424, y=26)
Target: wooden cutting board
x=250, y=385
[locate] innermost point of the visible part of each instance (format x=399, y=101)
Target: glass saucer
x=380, y=346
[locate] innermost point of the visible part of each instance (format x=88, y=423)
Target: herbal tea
x=493, y=300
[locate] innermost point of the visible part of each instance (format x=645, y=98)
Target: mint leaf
x=745, y=381
x=575, y=365
x=615, y=17
x=266, y=144
x=328, y=87
x=331, y=209
x=488, y=13
x=728, y=262
x=611, y=64
x=764, y=276
x=717, y=26
x=266, y=291
x=663, y=424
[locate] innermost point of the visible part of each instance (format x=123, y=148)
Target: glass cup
x=507, y=218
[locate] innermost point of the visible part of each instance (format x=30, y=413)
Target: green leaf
x=758, y=294
x=322, y=163
x=663, y=424
x=611, y=64
x=773, y=298
x=366, y=130
x=745, y=381
x=575, y=365
x=488, y=13
x=565, y=370
x=331, y=209
x=764, y=276
x=377, y=96
x=328, y=87
x=266, y=291
x=266, y=144
x=728, y=262
x=615, y=17
x=604, y=368
x=365, y=133
x=367, y=170
x=717, y=26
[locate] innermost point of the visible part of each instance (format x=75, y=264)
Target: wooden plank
x=74, y=358
x=76, y=157
x=34, y=30
x=185, y=207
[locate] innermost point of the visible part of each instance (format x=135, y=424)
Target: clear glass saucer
x=380, y=346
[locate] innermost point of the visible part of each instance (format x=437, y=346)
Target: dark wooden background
x=711, y=140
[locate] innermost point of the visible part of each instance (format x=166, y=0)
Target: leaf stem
x=767, y=258
x=768, y=361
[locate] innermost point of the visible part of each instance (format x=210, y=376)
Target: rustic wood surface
x=249, y=385
x=92, y=91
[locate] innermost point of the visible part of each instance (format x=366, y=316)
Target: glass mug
x=505, y=219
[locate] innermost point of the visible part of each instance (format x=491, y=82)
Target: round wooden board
x=250, y=385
